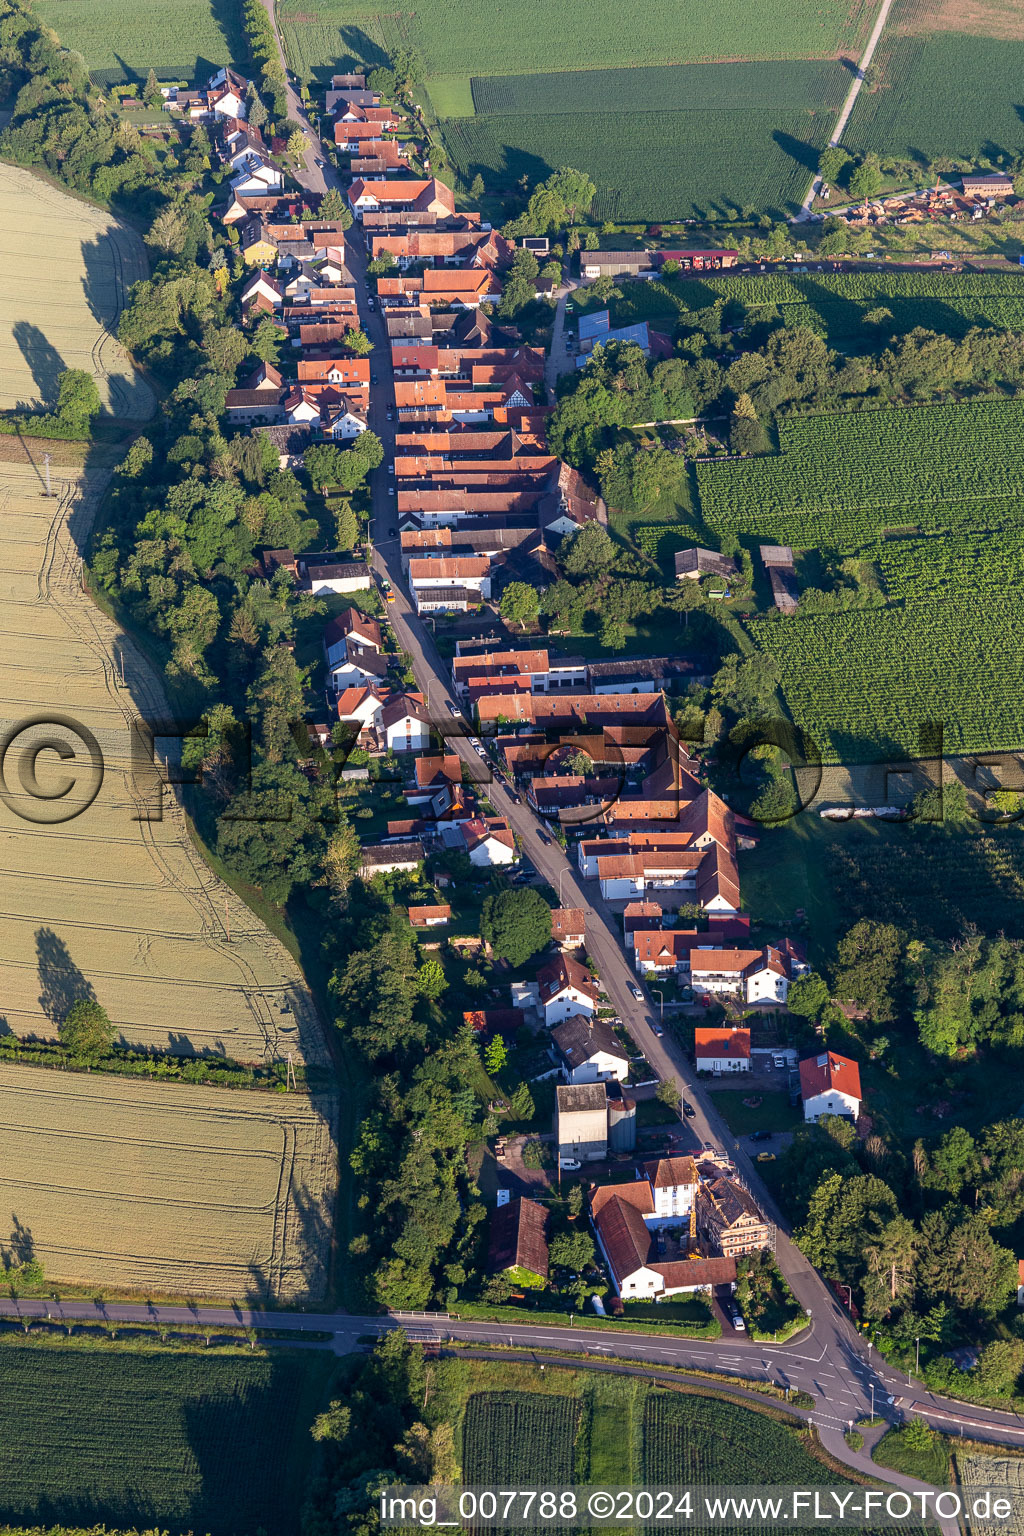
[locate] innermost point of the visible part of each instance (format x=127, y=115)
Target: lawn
x=122, y=1437
x=774, y=1113
x=468, y=37
x=929, y=1463
x=181, y=39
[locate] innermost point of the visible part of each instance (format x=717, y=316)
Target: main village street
x=830, y=1359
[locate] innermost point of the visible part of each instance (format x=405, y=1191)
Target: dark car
x=544, y=838
x=518, y=799
x=688, y=1109
x=760, y=1136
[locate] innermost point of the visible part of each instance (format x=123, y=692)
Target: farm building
x=778, y=562
x=385, y=858
x=430, y=917
x=693, y=563
x=581, y=1121
x=615, y=263
x=330, y=573
x=517, y=1244
x=989, y=184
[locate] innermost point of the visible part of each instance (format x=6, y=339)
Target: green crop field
x=863, y=681
x=650, y=165
x=794, y=85
x=704, y=1440
x=945, y=651
x=510, y=1436
x=128, y=1438
x=180, y=39
x=836, y=302
x=840, y=479
x=948, y=94
x=473, y=37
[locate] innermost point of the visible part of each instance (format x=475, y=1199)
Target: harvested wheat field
x=156, y=1186
x=66, y=269
x=102, y=893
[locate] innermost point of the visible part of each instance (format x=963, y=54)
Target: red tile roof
x=820, y=1073
x=721, y=1043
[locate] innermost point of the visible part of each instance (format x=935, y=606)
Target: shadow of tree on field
x=21, y=1245
x=61, y=983
x=44, y=361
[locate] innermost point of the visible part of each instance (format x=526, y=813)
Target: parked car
x=736, y=1318
x=658, y=1030
x=569, y=1164
x=760, y=1136
x=391, y=415
x=392, y=533
x=391, y=490
x=637, y=994
x=454, y=711
x=373, y=378
x=544, y=838
x=688, y=1109
x=391, y=467
x=517, y=799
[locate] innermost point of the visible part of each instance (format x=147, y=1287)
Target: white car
x=391, y=490
x=569, y=1164
x=391, y=467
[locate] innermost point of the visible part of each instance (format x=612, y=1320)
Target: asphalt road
x=851, y=99
x=831, y=1359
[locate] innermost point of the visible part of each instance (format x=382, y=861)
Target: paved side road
x=848, y=104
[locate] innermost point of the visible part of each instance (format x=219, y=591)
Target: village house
x=752, y=975
x=722, y=1050
x=489, y=841
x=331, y=573
x=662, y=951
x=567, y=927
x=429, y=917
x=830, y=1085
x=404, y=724
x=728, y=1218
x=566, y=987
x=589, y=1050
x=637, y=1270
x=437, y=784
x=361, y=708
x=694, y=563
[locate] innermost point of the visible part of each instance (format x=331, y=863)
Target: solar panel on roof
x=822, y=1061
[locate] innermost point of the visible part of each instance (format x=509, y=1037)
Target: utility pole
x=227, y=919
x=46, y=465
x=290, y=1075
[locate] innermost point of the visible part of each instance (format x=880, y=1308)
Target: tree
x=520, y=603
x=431, y=980
x=358, y=342
x=865, y=181
x=334, y=207
x=323, y=463
x=575, y=189
x=168, y=231
x=151, y=95
x=257, y=111
x=297, y=144
x=832, y=162
x=266, y=341
x=571, y=1250
x=78, y=399
x=999, y=1367
x=746, y=432
x=346, y=526
x=808, y=996
x=495, y=1055
x=668, y=1093
x=589, y=552
x=517, y=924
x=86, y=1031
x=476, y=186
x=868, y=968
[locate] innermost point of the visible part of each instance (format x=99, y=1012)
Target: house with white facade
x=752, y=975
x=830, y=1085
x=631, y=1250
x=565, y=987
x=386, y=858
x=489, y=841
x=361, y=708
x=405, y=724
x=663, y=951
x=722, y=1050
x=331, y=573
x=589, y=1051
